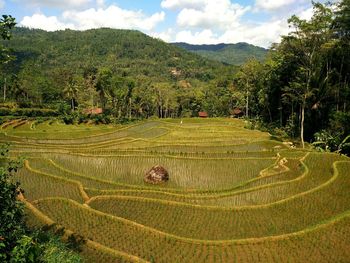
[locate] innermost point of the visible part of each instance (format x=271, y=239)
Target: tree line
x=303, y=86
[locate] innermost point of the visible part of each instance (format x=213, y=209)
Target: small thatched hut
x=157, y=175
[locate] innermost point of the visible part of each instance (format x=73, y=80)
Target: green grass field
x=234, y=195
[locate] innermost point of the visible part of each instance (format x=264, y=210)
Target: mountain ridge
x=234, y=54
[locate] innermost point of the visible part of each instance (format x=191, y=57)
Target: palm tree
x=103, y=85
x=70, y=92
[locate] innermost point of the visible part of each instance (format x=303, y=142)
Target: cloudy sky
x=259, y=22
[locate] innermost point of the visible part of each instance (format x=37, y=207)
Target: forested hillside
x=109, y=67
x=234, y=54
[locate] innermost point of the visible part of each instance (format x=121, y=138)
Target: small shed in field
x=157, y=175
x=203, y=114
x=93, y=111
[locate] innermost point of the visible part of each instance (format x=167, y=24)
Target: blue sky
x=259, y=22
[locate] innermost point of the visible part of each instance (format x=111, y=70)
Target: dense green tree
x=71, y=92
x=306, y=42
x=248, y=78
x=104, y=85
x=6, y=24
x=341, y=53
x=89, y=92
x=341, y=23
x=166, y=100
x=144, y=98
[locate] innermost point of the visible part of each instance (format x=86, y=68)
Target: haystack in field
x=157, y=175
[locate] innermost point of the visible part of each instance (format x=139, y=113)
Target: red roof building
x=237, y=112
x=203, y=114
x=94, y=111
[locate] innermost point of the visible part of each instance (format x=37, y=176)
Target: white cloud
x=221, y=21
x=263, y=34
x=180, y=4
x=220, y=14
x=166, y=36
x=198, y=21
x=273, y=4
x=306, y=14
x=205, y=36
x=2, y=4
x=58, y=3
x=100, y=3
x=48, y=23
x=112, y=16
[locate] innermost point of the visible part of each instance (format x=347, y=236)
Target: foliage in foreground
x=17, y=243
x=11, y=210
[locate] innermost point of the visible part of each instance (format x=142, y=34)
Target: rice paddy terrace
x=234, y=195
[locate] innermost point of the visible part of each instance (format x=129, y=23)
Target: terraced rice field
x=234, y=195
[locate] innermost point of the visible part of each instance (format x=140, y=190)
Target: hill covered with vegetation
x=126, y=64
x=234, y=54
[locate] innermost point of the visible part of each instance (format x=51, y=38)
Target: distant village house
x=93, y=111
x=203, y=114
x=236, y=113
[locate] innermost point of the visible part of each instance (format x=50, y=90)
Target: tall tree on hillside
x=71, y=92
x=270, y=89
x=341, y=51
x=247, y=78
x=6, y=24
x=103, y=85
x=130, y=84
x=121, y=92
x=115, y=92
x=306, y=42
x=90, y=80
x=341, y=23
x=145, y=96
x=164, y=98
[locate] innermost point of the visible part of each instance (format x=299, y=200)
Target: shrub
x=28, y=112
x=11, y=212
x=42, y=246
x=9, y=105
x=63, y=108
x=68, y=119
x=82, y=118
